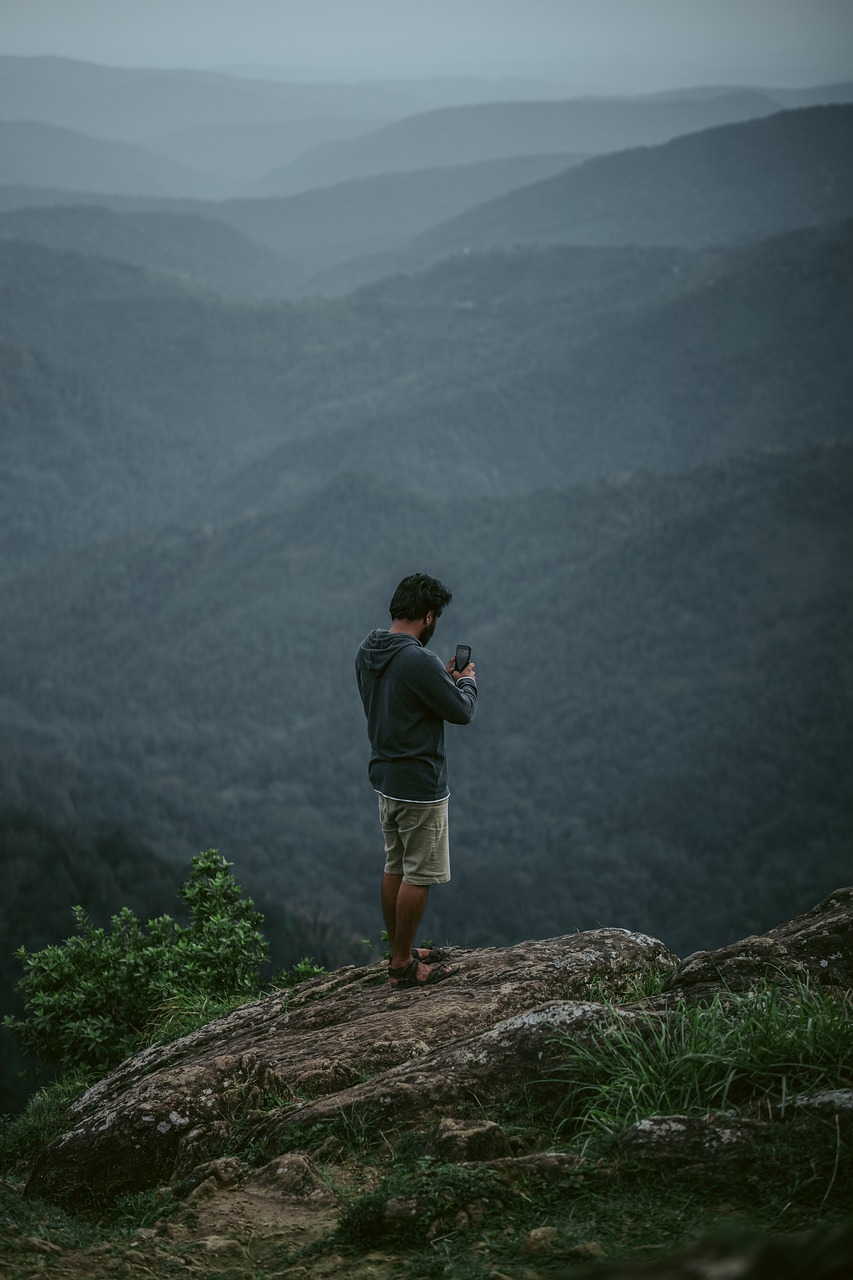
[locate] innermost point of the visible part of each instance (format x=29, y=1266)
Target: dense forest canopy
x=629, y=456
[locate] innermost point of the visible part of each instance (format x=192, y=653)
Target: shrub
x=89, y=1000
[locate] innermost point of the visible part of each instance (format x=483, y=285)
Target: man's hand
x=450, y=668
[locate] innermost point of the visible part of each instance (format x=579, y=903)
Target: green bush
x=90, y=1000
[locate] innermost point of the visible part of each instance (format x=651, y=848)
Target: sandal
x=408, y=977
x=434, y=955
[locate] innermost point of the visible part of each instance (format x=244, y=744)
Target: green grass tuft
x=764, y=1046
x=42, y=1120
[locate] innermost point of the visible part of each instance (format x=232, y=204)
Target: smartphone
x=463, y=656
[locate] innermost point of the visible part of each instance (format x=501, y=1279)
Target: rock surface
x=346, y=1044
x=168, y=1109
x=816, y=948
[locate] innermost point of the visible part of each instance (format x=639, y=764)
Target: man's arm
x=451, y=696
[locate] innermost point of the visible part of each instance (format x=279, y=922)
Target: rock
x=220, y=1245
x=37, y=1245
x=220, y=1173
x=816, y=947
x=346, y=1044
x=691, y=1142
x=459, y=1140
x=496, y=1063
x=586, y=1249
x=407, y=1209
x=827, y=1102
x=292, y=1176
x=540, y=1164
x=540, y=1240
x=173, y=1106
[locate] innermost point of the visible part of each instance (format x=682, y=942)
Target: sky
x=632, y=45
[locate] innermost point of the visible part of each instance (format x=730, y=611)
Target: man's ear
x=429, y=618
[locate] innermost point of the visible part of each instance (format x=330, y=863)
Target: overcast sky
x=595, y=44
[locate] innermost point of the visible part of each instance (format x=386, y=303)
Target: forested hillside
x=51, y=156
x=653, y=656
x=461, y=135
x=734, y=182
x=622, y=359
x=740, y=182
x=196, y=250
x=291, y=239
x=631, y=462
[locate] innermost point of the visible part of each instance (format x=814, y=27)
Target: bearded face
x=427, y=632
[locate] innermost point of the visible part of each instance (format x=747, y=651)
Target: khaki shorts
x=417, y=841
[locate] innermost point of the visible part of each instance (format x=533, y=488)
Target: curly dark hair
x=417, y=595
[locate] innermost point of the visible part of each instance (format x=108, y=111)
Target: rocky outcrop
x=346, y=1044
x=296, y=1057
x=815, y=948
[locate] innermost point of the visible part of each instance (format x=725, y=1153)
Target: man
x=408, y=695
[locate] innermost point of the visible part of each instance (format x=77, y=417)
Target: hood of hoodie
x=381, y=647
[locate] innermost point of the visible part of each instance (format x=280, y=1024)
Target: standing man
x=408, y=695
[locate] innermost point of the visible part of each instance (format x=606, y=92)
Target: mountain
x=196, y=250
x=44, y=155
x=743, y=181
x=659, y=662
x=243, y=151
x=193, y=133
x=321, y=228
x=816, y=95
x=144, y=104
x=622, y=359
x=464, y=135
x=155, y=106
x=645, y=496
x=293, y=239
x=739, y=181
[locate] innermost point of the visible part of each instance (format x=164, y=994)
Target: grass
x=800, y=1177
x=468, y=1223
x=430, y=1197
x=34, y=1218
x=42, y=1120
x=187, y=1011
x=748, y=1050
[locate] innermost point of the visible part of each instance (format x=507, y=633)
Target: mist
x=610, y=46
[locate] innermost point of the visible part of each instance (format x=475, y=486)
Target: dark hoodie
x=407, y=696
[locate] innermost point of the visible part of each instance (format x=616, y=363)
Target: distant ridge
x=330, y=225
x=308, y=233
x=140, y=104
x=195, y=250
x=604, y=374
x=44, y=155
x=746, y=180
x=463, y=135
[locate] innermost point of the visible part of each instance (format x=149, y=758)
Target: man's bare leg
x=403, y=906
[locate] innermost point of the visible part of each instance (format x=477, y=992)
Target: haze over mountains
x=203, y=133
x=605, y=397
